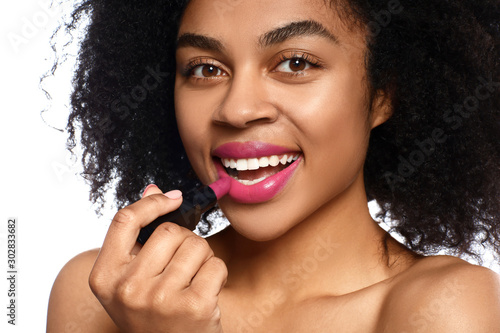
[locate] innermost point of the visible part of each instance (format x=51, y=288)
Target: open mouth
x=251, y=171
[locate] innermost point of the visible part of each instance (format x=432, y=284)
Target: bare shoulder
x=443, y=294
x=72, y=305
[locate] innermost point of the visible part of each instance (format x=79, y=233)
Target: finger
x=187, y=260
x=136, y=249
x=161, y=246
x=151, y=189
x=211, y=278
x=124, y=229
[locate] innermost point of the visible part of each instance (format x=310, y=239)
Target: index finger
x=124, y=229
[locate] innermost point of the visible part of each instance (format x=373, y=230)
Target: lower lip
x=262, y=191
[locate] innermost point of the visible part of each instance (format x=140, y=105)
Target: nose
x=246, y=103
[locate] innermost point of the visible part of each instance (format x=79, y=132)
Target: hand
x=171, y=284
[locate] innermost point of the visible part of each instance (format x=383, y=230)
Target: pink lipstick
x=194, y=203
x=265, y=189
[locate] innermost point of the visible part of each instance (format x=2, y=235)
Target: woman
x=393, y=101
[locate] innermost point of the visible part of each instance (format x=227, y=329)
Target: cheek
x=333, y=132
x=184, y=107
x=330, y=116
x=193, y=120
x=194, y=110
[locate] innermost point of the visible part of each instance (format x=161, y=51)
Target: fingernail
x=174, y=194
x=147, y=188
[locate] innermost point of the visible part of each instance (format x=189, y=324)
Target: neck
x=338, y=249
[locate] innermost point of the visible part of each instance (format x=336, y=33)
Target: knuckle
x=127, y=292
x=218, y=265
x=198, y=307
x=156, y=199
x=160, y=299
x=96, y=282
x=124, y=216
x=170, y=228
x=197, y=243
x=99, y=284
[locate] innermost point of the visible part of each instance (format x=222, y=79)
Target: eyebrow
x=276, y=36
x=199, y=41
x=295, y=29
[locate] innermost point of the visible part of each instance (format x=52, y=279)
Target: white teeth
x=263, y=162
x=256, y=163
x=243, y=164
x=251, y=182
x=253, y=164
x=274, y=161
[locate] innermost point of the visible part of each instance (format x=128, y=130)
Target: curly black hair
x=433, y=167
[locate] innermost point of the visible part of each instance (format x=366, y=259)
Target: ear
x=381, y=109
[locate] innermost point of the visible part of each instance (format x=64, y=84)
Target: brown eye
x=297, y=64
x=206, y=71
x=293, y=65
x=209, y=70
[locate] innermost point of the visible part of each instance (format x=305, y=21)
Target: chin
x=258, y=234
x=255, y=222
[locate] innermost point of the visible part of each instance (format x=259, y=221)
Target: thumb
x=151, y=189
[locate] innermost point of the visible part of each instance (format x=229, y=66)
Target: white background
x=39, y=182
x=38, y=178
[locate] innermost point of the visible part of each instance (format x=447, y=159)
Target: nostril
x=243, y=108
x=245, y=118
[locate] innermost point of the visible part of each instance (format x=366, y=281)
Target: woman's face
x=257, y=80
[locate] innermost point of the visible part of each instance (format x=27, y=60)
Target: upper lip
x=249, y=149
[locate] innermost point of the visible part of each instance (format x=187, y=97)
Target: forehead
x=253, y=18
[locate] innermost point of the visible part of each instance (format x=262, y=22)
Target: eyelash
x=187, y=71
x=195, y=63
x=301, y=56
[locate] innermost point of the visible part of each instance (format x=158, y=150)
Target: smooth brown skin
x=309, y=260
